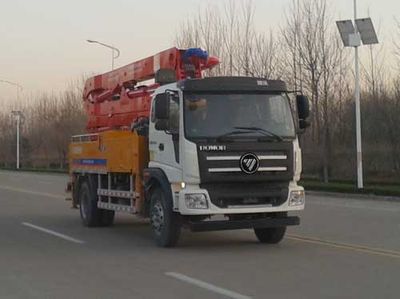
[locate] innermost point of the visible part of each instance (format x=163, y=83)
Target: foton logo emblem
x=215, y=148
x=249, y=163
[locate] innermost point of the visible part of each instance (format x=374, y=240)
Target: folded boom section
x=115, y=99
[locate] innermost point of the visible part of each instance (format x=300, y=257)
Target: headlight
x=297, y=198
x=196, y=201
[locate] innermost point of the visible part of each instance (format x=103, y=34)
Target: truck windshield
x=210, y=115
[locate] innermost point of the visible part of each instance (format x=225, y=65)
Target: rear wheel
x=91, y=215
x=166, y=224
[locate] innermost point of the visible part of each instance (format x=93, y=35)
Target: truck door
x=164, y=137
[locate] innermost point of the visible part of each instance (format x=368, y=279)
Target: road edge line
x=32, y=192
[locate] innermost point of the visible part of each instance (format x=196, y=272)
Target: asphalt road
x=344, y=248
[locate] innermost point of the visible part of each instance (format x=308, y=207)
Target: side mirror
x=161, y=107
x=303, y=107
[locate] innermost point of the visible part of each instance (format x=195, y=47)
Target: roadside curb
x=354, y=195
x=33, y=170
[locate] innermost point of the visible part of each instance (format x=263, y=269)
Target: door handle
x=161, y=147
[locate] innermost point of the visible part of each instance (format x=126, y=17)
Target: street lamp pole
x=114, y=53
x=352, y=34
x=18, y=114
x=18, y=86
x=360, y=183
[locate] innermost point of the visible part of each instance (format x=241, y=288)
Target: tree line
x=306, y=51
x=47, y=124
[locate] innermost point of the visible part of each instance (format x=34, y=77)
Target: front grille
x=237, y=195
x=275, y=162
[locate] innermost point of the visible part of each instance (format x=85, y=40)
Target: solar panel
x=367, y=31
x=346, y=28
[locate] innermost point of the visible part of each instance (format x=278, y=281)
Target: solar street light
x=352, y=34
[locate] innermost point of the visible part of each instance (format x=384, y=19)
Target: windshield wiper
x=232, y=133
x=261, y=130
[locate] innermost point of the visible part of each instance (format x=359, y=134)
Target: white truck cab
x=227, y=147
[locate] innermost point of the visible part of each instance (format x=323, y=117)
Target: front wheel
x=166, y=224
x=271, y=235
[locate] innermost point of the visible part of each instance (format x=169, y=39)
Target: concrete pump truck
x=214, y=153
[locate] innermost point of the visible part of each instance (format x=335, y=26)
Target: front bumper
x=201, y=226
x=211, y=209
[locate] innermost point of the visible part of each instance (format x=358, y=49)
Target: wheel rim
x=157, y=217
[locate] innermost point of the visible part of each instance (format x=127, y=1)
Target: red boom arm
x=112, y=99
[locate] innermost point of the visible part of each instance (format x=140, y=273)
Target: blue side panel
x=90, y=162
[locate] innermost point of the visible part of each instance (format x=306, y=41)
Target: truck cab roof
x=232, y=84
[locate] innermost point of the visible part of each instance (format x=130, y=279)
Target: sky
x=43, y=42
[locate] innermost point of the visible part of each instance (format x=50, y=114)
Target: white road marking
x=207, y=286
x=51, y=232
x=32, y=192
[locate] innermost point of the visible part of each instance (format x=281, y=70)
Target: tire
x=165, y=223
x=271, y=235
x=91, y=215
